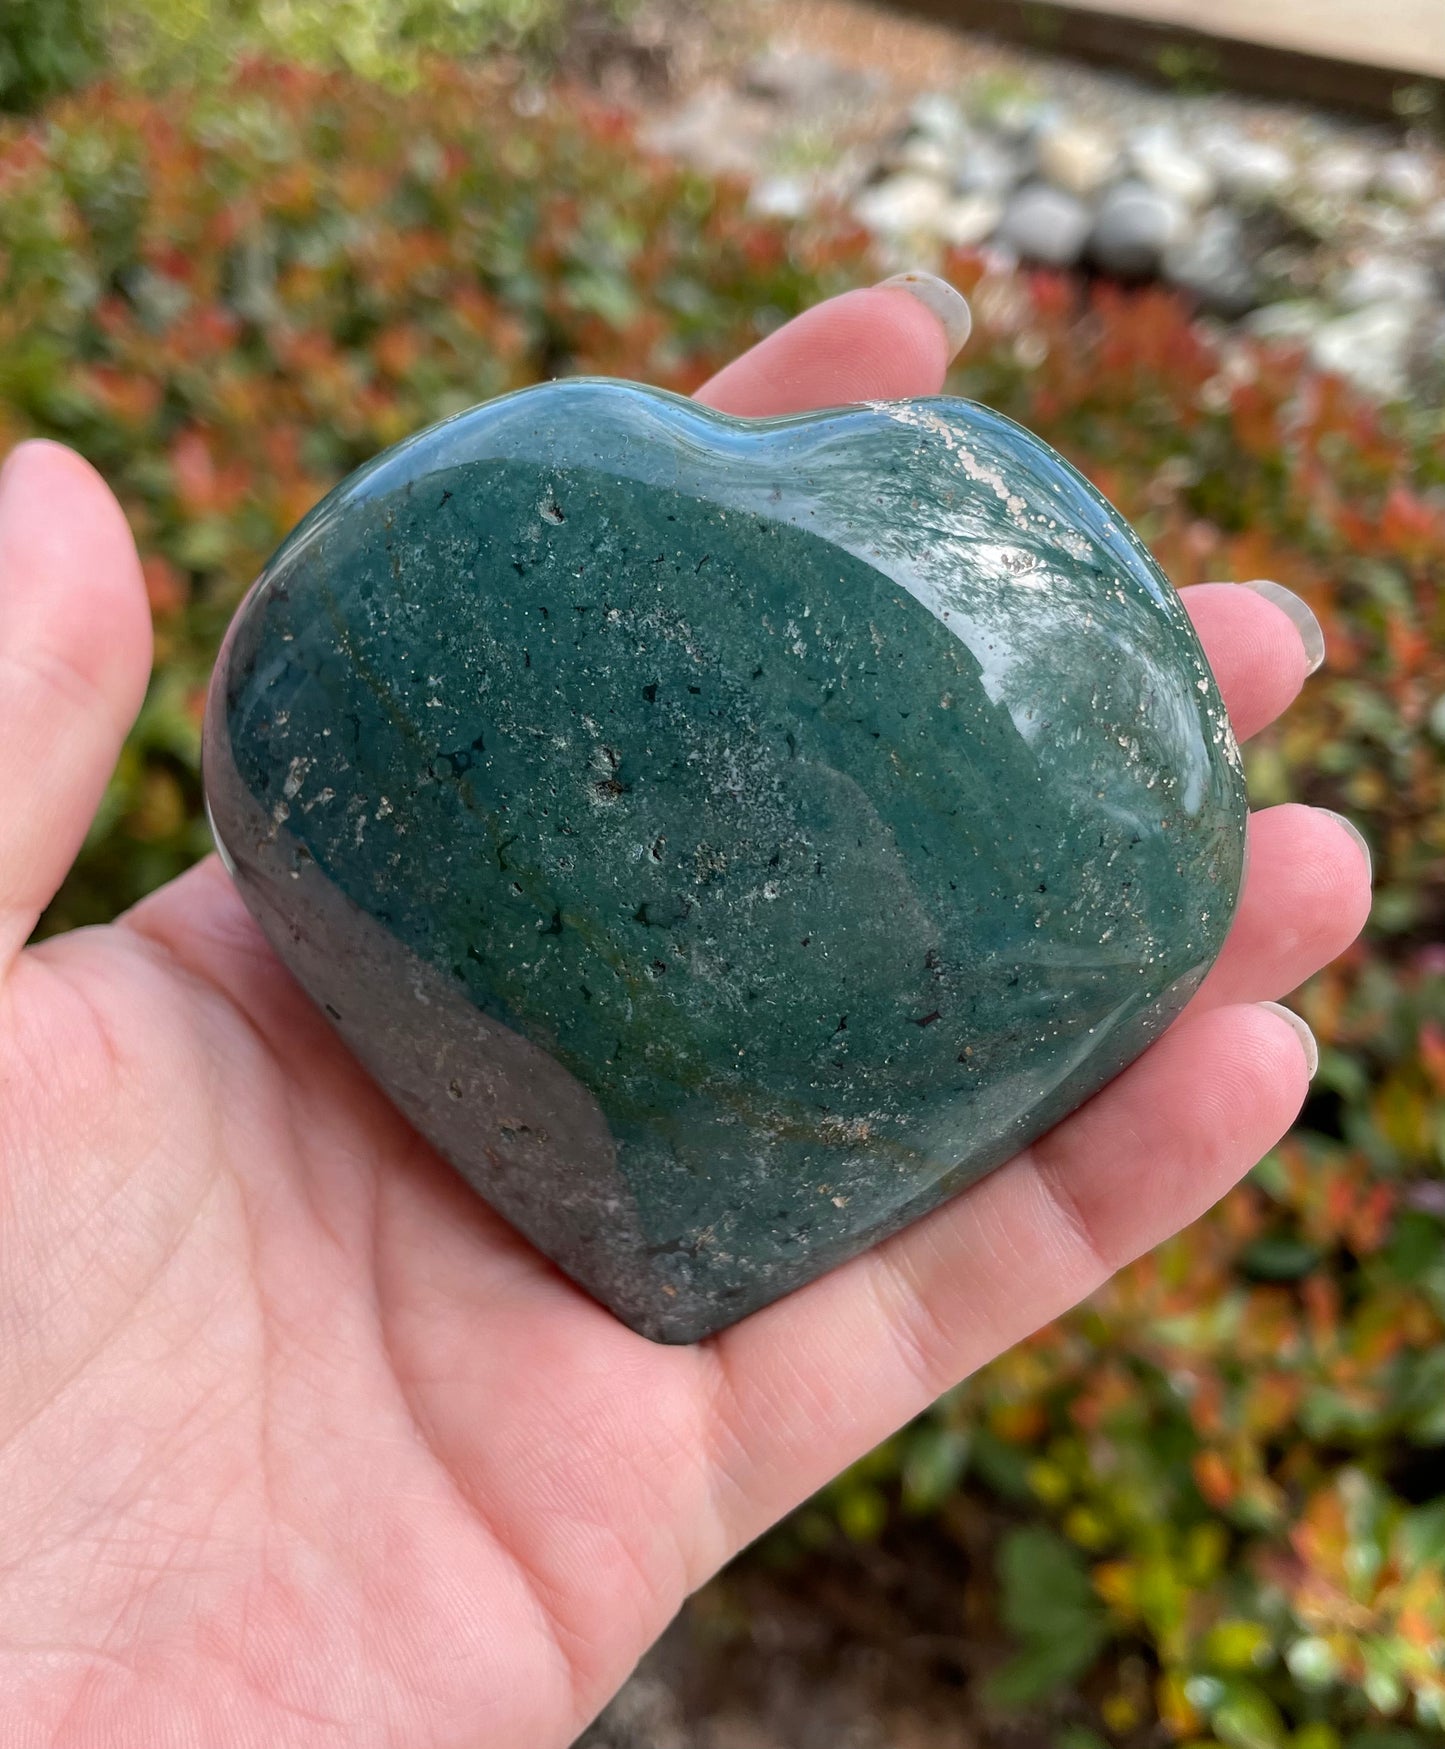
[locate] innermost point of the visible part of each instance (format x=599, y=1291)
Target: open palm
x=301, y=1445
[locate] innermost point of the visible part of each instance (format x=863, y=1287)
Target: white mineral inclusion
x=955, y=550
x=925, y=419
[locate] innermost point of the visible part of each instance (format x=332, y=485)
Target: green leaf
x=1001, y=1467
x=1280, y=1257
x=1422, y=1535
x=46, y=46
x=1415, y=1246
x=1039, y=1670
x=1390, y=1737
x=936, y=1459
x=1048, y=1603
x=862, y=1512
x=1248, y=1719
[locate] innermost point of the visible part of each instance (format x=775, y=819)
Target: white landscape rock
x=929, y=157
x=903, y=205
x=937, y=116
x=1077, y=158
x=1291, y=319
x=1342, y=172
x=1408, y=177
x=1385, y=279
x=1246, y=167
x=1136, y=225
x=1230, y=201
x=782, y=197
x=987, y=166
x=1208, y=259
x=1046, y=225
x=1370, y=348
x=1159, y=157
x=1389, y=225
x=970, y=219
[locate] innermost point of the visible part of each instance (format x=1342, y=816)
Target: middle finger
x=1255, y=646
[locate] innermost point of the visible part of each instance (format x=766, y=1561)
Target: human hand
x=301, y=1445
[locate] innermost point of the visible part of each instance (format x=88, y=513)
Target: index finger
x=885, y=343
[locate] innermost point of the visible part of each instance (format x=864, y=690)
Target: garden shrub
x=46, y=46
x=386, y=40
x=1233, y=1458
x=52, y=46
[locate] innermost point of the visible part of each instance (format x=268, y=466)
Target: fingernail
x=1355, y=833
x=1305, y=623
x=1302, y=1033
x=940, y=299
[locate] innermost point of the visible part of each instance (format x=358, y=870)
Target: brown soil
x=855, y=1646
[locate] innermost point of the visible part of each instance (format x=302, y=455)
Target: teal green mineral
x=725, y=839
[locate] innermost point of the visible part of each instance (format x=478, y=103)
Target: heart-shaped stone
x=725, y=839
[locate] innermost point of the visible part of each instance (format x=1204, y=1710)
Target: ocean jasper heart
x=725, y=839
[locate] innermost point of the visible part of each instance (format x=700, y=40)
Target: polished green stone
x=725, y=839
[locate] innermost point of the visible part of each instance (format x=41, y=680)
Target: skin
x=299, y=1444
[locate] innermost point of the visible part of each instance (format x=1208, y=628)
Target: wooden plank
x=1405, y=36
x=1252, y=45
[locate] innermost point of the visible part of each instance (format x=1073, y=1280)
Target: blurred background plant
x=48, y=46
x=1212, y=1501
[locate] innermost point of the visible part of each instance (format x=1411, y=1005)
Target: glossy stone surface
x=725, y=839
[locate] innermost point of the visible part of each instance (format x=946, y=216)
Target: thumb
x=75, y=653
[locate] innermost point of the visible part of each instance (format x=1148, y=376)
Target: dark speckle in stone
x=725, y=839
